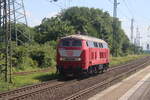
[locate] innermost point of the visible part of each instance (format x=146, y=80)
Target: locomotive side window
x=90, y=44
x=99, y=45
x=95, y=44
x=102, y=46
x=105, y=45
x=87, y=44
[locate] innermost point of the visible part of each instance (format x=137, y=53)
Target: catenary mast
x=12, y=12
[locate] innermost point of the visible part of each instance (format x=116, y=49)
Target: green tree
x=52, y=29
x=88, y=21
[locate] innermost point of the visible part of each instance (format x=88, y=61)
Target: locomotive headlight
x=61, y=59
x=78, y=59
x=70, y=59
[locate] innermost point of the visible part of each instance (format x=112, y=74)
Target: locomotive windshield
x=70, y=43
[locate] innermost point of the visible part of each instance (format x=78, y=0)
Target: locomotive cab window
x=76, y=43
x=71, y=43
x=65, y=43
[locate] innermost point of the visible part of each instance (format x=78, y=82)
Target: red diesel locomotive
x=80, y=53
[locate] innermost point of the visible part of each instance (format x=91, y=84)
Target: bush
x=44, y=55
x=26, y=63
x=35, y=55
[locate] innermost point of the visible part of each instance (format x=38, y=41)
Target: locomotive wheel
x=106, y=66
x=102, y=71
x=90, y=71
x=98, y=70
x=95, y=69
x=62, y=74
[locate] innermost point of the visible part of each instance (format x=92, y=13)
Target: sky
x=36, y=10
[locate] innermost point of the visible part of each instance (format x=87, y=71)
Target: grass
x=28, y=69
x=23, y=80
x=114, y=61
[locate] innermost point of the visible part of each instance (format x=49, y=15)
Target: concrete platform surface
x=135, y=87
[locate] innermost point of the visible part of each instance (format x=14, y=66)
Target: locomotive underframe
x=75, y=71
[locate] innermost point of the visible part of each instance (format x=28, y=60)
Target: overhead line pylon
x=12, y=12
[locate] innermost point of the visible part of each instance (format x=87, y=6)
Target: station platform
x=135, y=87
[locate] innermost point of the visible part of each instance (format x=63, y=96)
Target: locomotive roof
x=84, y=37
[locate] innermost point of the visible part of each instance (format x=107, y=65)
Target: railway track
x=22, y=93
x=84, y=94
x=27, y=88
x=55, y=90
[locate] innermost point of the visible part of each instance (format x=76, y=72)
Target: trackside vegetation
x=41, y=51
